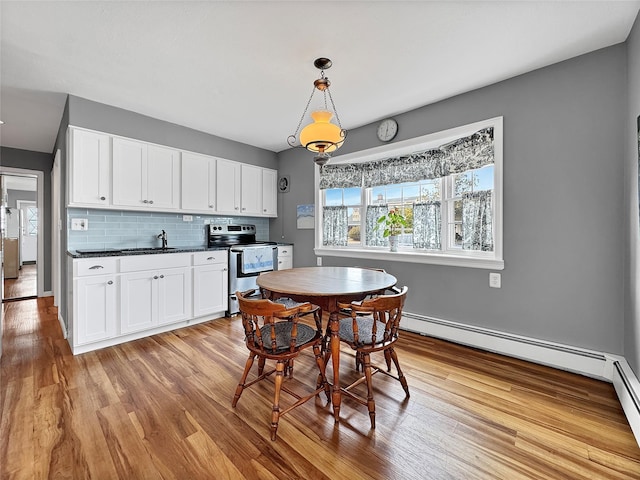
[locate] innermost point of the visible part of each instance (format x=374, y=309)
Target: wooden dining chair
x=373, y=326
x=273, y=332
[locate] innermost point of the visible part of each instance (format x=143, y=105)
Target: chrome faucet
x=163, y=236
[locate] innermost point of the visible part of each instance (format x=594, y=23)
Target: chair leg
x=387, y=358
x=371, y=405
x=243, y=379
x=401, y=377
x=275, y=413
x=261, y=362
x=322, y=377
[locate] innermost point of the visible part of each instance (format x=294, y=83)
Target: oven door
x=245, y=265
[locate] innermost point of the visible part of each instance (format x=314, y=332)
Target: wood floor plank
x=160, y=408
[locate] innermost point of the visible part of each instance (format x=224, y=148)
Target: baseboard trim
x=603, y=366
x=63, y=325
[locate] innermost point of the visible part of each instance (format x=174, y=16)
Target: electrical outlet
x=187, y=218
x=319, y=261
x=495, y=280
x=79, y=224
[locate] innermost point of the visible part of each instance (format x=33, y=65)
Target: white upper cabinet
x=145, y=175
x=129, y=172
x=251, y=190
x=90, y=168
x=163, y=177
x=228, y=187
x=269, y=192
x=198, y=183
x=114, y=172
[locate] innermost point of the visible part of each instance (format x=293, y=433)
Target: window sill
x=413, y=257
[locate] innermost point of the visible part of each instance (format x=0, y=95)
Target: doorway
x=20, y=236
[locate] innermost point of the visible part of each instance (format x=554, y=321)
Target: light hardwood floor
x=160, y=408
x=26, y=285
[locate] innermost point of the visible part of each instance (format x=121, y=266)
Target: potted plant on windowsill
x=393, y=222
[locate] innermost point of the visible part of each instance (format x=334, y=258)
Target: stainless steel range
x=248, y=258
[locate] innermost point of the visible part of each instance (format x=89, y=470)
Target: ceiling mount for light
x=321, y=136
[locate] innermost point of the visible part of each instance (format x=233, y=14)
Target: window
x=447, y=185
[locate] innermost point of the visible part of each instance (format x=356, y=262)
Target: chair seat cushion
x=365, y=329
x=283, y=336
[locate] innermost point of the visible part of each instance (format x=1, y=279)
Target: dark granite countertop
x=112, y=252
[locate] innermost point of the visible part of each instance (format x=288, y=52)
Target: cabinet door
x=228, y=186
x=198, y=182
x=138, y=301
x=251, y=190
x=174, y=295
x=90, y=169
x=95, y=313
x=269, y=192
x=210, y=289
x=129, y=173
x=163, y=175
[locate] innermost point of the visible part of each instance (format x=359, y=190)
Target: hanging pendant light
x=321, y=137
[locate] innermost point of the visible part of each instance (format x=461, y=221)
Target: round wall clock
x=387, y=130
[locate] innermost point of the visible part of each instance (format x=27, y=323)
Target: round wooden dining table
x=326, y=287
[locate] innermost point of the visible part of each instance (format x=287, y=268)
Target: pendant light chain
x=294, y=136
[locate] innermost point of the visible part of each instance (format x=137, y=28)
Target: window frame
x=464, y=258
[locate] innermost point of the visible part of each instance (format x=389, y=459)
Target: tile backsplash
x=121, y=229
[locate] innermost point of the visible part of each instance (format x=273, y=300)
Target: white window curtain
x=334, y=226
x=375, y=237
x=427, y=223
x=477, y=221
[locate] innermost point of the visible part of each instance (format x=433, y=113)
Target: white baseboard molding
x=603, y=366
x=63, y=325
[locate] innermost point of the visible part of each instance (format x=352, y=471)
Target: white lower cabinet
x=285, y=257
x=116, y=299
x=210, y=282
x=95, y=305
x=96, y=308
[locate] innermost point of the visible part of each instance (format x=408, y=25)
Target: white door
x=138, y=301
x=210, y=289
x=174, y=295
x=129, y=173
x=28, y=231
x=163, y=177
x=227, y=187
x=251, y=190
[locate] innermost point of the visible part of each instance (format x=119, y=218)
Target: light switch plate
x=495, y=280
x=319, y=261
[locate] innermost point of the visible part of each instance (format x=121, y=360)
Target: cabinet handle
x=210, y=206
x=284, y=251
x=150, y=201
x=264, y=210
x=96, y=267
x=236, y=208
x=155, y=277
x=110, y=282
x=161, y=276
x=145, y=201
x=210, y=258
x=224, y=269
x=244, y=208
x=102, y=198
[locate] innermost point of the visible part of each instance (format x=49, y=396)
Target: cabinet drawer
x=155, y=261
x=95, y=266
x=284, y=251
x=207, y=258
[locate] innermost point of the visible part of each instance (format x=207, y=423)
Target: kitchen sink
x=147, y=249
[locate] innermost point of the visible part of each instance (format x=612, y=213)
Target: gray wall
x=42, y=162
x=564, y=132
x=632, y=246
x=105, y=118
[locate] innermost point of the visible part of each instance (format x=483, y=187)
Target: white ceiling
x=244, y=70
